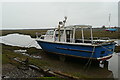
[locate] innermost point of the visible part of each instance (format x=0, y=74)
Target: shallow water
x=113, y=65
x=27, y=41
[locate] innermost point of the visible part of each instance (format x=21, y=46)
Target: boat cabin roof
x=79, y=26
x=70, y=27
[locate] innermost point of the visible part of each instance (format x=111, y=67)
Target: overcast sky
x=27, y=15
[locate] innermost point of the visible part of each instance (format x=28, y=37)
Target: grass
x=32, y=33
x=49, y=78
x=5, y=59
x=52, y=64
x=97, y=32
x=0, y=59
x=117, y=49
x=8, y=55
x=77, y=74
x=8, y=51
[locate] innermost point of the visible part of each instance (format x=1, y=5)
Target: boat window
x=50, y=32
x=61, y=32
x=68, y=32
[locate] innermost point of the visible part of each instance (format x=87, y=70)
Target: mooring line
x=89, y=61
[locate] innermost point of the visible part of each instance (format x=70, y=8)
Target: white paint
x=89, y=44
x=82, y=35
x=118, y=42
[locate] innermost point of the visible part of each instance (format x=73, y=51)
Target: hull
x=101, y=52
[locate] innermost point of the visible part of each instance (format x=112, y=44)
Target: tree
x=103, y=26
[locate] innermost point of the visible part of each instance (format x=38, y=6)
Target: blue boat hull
x=102, y=52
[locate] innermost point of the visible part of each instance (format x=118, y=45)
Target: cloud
x=47, y=14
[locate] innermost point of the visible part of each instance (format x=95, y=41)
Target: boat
x=61, y=41
x=111, y=29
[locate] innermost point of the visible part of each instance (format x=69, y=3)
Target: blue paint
x=100, y=51
x=111, y=29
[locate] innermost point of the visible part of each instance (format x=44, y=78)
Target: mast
x=61, y=25
x=109, y=20
x=73, y=40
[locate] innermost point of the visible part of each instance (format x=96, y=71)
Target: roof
x=78, y=26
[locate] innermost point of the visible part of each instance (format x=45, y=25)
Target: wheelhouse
x=67, y=34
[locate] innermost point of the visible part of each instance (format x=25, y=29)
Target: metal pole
x=64, y=29
x=73, y=35
x=59, y=33
x=54, y=35
x=91, y=35
x=64, y=35
x=109, y=20
x=82, y=35
x=36, y=35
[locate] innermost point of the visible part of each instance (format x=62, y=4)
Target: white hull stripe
x=104, y=57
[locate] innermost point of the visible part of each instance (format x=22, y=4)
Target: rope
x=106, y=48
x=89, y=61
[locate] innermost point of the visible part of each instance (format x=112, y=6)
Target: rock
x=10, y=71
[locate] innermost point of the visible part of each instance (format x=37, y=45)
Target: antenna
x=64, y=21
x=109, y=20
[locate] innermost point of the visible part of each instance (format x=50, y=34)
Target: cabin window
x=50, y=32
x=68, y=32
x=61, y=33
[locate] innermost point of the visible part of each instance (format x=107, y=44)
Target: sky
x=37, y=15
